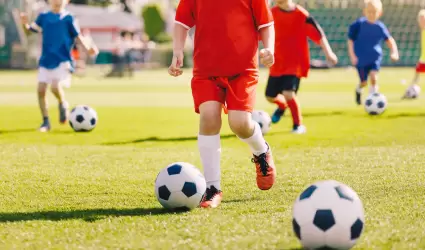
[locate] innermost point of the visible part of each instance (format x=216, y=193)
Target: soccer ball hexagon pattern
x=83, y=118
x=263, y=119
x=375, y=104
x=328, y=215
x=180, y=185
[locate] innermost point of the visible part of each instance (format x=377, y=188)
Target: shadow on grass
x=175, y=139
x=88, y=215
x=323, y=114
x=399, y=115
x=15, y=131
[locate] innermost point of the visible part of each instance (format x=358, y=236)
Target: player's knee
x=270, y=99
x=210, y=118
x=373, y=77
x=240, y=122
x=55, y=87
x=41, y=90
x=289, y=95
x=363, y=83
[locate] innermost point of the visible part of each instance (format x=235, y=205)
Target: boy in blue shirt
x=365, y=36
x=59, y=33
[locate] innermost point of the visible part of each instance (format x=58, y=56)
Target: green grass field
x=66, y=190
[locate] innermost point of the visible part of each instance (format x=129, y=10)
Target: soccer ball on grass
x=180, y=186
x=83, y=118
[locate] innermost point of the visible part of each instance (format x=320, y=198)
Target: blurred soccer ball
x=412, y=92
x=263, y=119
x=375, y=104
x=83, y=118
x=328, y=215
x=180, y=185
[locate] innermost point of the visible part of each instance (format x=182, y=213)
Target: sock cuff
x=211, y=141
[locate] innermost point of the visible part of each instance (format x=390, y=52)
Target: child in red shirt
x=226, y=73
x=293, y=26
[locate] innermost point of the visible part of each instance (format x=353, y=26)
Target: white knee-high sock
x=373, y=89
x=256, y=142
x=210, y=150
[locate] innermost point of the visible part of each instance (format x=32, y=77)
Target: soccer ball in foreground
x=375, y=104
x=83, y=118
x=263, y=120
x=180, y=185
x=413, y=92
x=328, y=214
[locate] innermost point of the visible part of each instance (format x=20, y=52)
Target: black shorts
x=278, y=84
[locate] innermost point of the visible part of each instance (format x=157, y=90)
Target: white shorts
x=60, y=74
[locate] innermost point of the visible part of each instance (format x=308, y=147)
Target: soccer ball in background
x=180, y=185
x=412, y=92
x=328, y=214
x=375, y=104
x=83, y=118
x=263, y=120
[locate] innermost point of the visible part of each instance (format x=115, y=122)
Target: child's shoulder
x=302, y=10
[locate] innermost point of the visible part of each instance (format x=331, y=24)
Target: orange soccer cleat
x=212, y=198
x=266, y=170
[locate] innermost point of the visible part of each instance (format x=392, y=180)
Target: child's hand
x=176, y=64
x=394, y=56
x=266, y=57
x=93, y=51
x=332, y=58
x=24, y=18
x=354, y=60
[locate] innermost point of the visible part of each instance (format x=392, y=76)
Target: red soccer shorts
x=420, y=67
x=236, y=92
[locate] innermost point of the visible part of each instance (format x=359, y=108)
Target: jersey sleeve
x=38, y=22
x=353, y=30
x=262, y=14
x=185, y=14
x=74, y=28
x=385, y=32
x=314, y=31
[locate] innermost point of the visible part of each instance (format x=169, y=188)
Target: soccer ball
x=375, y=104
x=328, y=214
x=263, y=120
x=413, y=92
x=83, y=118
x=180, y=185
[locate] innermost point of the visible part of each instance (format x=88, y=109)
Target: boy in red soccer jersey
x=292, y=58
x=226, y=73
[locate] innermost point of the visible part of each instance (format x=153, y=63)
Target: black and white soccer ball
x=180, y=185
x=412, y=92
x=83, y=118
x=263, y=120
x=375, y=104
x=328, y=215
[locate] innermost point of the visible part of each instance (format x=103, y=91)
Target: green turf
x=65, y=190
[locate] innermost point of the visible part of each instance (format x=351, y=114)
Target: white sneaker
x=300, y=130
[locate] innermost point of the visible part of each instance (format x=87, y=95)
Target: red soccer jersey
x=226, y=35
x=292, y=55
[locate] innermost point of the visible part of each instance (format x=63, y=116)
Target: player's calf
x=250, y=132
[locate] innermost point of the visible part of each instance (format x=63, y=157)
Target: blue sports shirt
x=367, y=38
x=59, y=31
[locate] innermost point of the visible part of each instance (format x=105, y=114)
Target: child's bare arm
x=391, y=43
x=351, y=53
x=89, y=47
x=326, y=47
x=179, y=39
x=267, y=35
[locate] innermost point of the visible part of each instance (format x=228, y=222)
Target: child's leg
x=373, y=88
x=208, y=100
x=274, y=95
x=363, y=75
x=240, y=100
x=42, y=102
x=290, y=85
x=58, y=91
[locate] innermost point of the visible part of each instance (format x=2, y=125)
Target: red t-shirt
x=292, y=55
x=226, y=35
